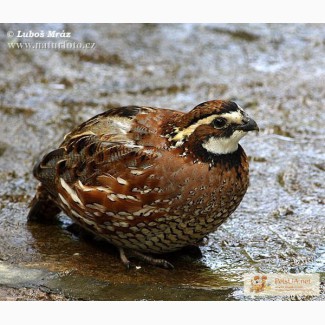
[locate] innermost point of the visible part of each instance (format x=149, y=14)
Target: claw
x=129, y=265
x=168, y=265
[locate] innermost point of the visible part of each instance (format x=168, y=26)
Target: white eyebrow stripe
x=233, y=117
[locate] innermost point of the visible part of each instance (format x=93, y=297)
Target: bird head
x=216, y=126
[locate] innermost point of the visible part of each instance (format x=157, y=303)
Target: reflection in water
x=87, y=256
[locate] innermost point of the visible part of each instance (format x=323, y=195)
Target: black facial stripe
x=219, y=122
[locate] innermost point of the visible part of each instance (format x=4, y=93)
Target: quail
x=148, y=180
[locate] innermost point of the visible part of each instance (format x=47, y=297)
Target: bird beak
x=248, y=125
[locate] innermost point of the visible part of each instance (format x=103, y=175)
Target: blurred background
x=49, y=83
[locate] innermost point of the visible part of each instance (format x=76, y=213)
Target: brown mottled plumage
x=148, y=180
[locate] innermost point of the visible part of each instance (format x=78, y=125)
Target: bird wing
x=96, y=171
x=104, y=134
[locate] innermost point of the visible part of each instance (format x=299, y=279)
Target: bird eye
x=219, y=122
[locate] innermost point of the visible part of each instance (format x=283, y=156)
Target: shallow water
x=276, y=72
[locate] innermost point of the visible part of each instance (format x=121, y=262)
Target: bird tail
x=42, y=207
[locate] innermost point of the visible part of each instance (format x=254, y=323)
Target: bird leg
x=145, y=258
x=153, y=261
x=124, y=259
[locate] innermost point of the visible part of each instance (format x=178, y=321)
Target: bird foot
x=145, y=258
x=124, y=259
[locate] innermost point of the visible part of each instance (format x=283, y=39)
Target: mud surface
x=276, y=72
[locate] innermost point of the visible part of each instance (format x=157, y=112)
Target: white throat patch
x=222, y=146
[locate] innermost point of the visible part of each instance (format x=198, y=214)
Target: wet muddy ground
x=276, y=72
